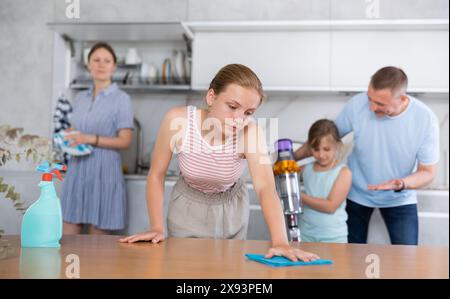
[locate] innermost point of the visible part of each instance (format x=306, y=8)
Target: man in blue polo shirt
x=396, y=150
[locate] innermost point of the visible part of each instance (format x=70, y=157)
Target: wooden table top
x=105, y=257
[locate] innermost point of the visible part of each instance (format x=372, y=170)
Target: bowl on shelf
x=132, y=57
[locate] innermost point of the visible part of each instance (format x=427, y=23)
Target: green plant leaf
x=10, y=193
x=14, y=132
x=28, y=153
x=27, y=140
x=4, y=128
x=15, y=144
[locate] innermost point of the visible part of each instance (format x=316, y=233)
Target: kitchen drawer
x=257, y=227
x=138, y=219
x=432, y=230
x=433, y=209
x=433, y=220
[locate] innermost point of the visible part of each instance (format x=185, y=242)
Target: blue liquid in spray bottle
x=42, y=222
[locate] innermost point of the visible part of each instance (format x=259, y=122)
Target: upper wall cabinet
x=282, y=60
x=122, y=32
x=421, y=50
x=311, y=55
x=336, y=55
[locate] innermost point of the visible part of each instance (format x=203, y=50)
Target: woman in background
x=94, y=188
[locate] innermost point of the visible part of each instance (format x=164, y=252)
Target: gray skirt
x=194, y=214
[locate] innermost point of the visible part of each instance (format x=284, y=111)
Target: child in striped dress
x=214, y=145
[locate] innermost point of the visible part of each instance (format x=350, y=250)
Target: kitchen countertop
x=105, y=257
x=17, y=174
x=432, y=190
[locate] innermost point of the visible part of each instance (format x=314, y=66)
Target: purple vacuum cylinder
x=282, y=145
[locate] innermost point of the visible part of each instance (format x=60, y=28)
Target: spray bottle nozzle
x=50, y=171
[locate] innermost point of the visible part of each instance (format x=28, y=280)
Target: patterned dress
x=93, y=190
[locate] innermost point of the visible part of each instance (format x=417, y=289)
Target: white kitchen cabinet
x=257, y=226
x=325, y=55
x=422, y=54
x=137, y=212
x=433, y=207
x=282, y=60
x=314, y=55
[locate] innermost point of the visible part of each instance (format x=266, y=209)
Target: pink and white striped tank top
x=205, y=167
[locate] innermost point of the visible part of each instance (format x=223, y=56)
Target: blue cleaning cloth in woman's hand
x=280, y=261
x=64, y=145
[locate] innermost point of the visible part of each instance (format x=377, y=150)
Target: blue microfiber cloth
x=78, y=150
x=280, y=261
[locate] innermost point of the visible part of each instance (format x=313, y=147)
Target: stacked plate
x=166, y=75
x=180, y=67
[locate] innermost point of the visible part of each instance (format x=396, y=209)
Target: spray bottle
x=42, y=222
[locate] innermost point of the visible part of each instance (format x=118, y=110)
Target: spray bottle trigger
x=58, y=174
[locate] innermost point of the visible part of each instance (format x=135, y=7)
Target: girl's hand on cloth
x=294, y=254
x=395, y=184
x=153, y=236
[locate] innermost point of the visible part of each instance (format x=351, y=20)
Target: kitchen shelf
x=142, y=87
x=163, y=37
x=113, y=31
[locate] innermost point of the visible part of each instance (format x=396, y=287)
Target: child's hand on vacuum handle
x=154, y=236
x=291, y=253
